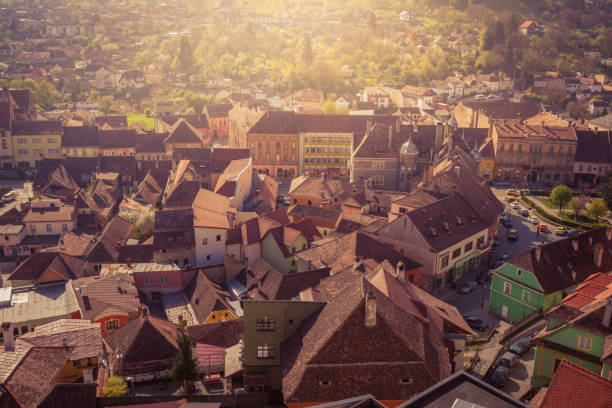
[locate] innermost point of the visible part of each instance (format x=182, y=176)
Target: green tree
x=45, y=94
x=561, y=195
x=115, y=387
x=329, y=107
x=106, y=104
x=184, y=368
x=578, y=204
x=598, y=208
x=576, y=110
x=307, y=51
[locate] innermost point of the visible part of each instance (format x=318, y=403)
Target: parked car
x=512, y=192
x=476, y=323
x=512, y=235
x=467, y=287
x=505, y=257
x=10, y=196
x=484, y=277
x=543, y=228
x=572, y=232
x=515, y=205
x=508, y=359
x=561, y=231
x=506, y=223
x=534, y=220
x=524, y=212
x=500, y=376
x=287, y=201
x=521, y=346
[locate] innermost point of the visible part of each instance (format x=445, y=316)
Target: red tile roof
x=573, y=386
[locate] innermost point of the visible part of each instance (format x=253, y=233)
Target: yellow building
x=80, y=141
x=487, y=160
x=34, y=140
x=325, y=153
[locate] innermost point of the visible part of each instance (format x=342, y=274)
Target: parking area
x=23, y=193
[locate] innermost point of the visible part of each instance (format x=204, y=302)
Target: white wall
x=41, y=228
x=213, y=248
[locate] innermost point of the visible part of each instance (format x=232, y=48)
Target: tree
x=307, y=51
x=329, y=107
x=115, y=387
x=598, y=209
x=184, y=367
x=106, y=104
x=576, y=110
x=577, y=204
x=561, y=194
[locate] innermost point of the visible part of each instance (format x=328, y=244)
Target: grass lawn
x=550, y=204
x=583, y=218
x=145, y=122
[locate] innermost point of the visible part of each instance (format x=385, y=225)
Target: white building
x=212, y=217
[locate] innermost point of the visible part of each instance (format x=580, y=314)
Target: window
x=33, y=229
x=444, y=261
x=325, y=383
x=378, y=165
x=204, y=241
x=218, y=237
x=480, y=241
x=24, y=329
x=37, y=140
x=584, y=343
x=208, y=257
x=405, y=380
x=456, y=253
x=526, y=296
x=65, y=227
x=51, y=140
x=163, y=280
x=265, y=324
x=22, y=140
x=23, y=151
x=112, y=324
x=265, y=352
x=49, y=228
x=468, y=247
x=309, y=203
x=507, y=288
x=53, y=151
x=149, y=280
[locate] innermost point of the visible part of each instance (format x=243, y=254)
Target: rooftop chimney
x=390, y=137
x=370, y=310
x=575, y=244
x=9, y=337
x=401, y=271
x=607, y=313
x=538, y=253
x=83, y=289
x=457, y=171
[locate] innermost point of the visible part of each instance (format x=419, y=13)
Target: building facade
x=34, y=140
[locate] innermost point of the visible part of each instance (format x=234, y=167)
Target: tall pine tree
x=184, y=368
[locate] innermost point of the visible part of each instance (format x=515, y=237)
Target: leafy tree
x=562, y=195
x=576, y=110
x=577, y=204
x=115, y=387
x=329, y=107
x=598, y=209
x=106, y=104
x=184, y=366
x=307, y=51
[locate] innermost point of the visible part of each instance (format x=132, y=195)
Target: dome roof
x=409, y=148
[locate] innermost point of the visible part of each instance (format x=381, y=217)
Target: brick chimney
x=538, y=253
x=598, y=252
x=401, y=271
x=370, y=310
x=607, y=313
x=9, y=337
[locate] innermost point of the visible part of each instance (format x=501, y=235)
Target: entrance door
x=504, y=311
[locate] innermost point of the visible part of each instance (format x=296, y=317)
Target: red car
x=543, y=227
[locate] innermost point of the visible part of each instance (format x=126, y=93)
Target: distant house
x=107, y=78
x=377, y=95
x=65, y=29
x=529, y=28
x=598, y=107
x=132, y=79
x=342, y=103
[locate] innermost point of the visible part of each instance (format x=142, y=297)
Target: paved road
x=23, y=191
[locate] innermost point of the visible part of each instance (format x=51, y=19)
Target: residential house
x=34, y=140
x=538, y=279
x=212, y=340
x=105, y=247
x=201, y=302
x=65, y=29
x=7, y=50
x=448, y=236
x=519, y=148
x=113, y=122
x=578, y=330
x=574, y=386
x=598, y=107
x=263, y=195
x=182, y=186
x=419, y=93
x=480, y=114
x=325, y=220
x=184, y=135
x=342, y=104
x=12, y=237
x=304, y=97
x=463, y=388
x=150, y=146
x=218, y=121
x=7, y=116
x=241, y=118
x=49, y=217
x=174, y=237
x=377, y=95
x=244, y=240
x=80, y=141
x=29, y=307
x=132, y=79
x=529, y=28
x=593, y=156
x=235, y=182
x=212, y=217
x=279, y=246
x=81, y=337
x=322, y=191
x=108, y=300
x=46, y=267
x=601, y=123
x=142, y=349
x=164, y=123
x=120, y=142
x=106, y=78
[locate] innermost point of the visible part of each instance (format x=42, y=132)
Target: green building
x=540, y=277
x=578, y=330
